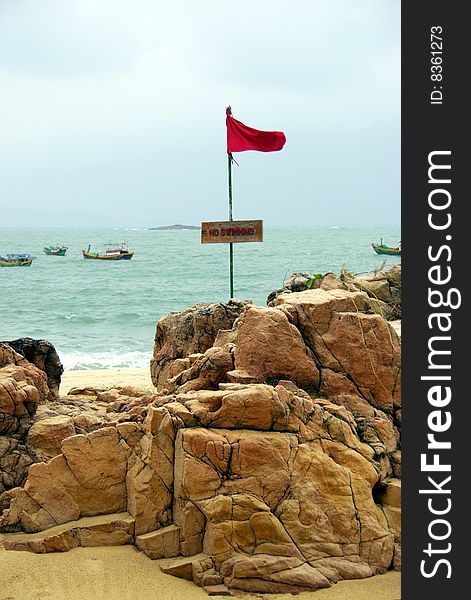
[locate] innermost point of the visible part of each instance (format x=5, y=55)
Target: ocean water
x=103, y=314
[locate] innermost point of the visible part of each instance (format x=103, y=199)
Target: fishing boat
x=16, y=260
x=55, y=250
x=383, y=249
x=112, y=252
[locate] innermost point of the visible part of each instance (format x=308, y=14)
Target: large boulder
x=46, y=435
x=328, y=342
x=269, y=348
x=22, y=388
x=42, y=354
x=382, y=287
x=205, y=372
x=191, y=331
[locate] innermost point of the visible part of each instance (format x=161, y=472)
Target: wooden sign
x=217, y=232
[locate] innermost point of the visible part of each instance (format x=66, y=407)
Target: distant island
x=173, y=227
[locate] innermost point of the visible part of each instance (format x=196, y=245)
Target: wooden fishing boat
x=112, y=252
x=383, y=249
x=16, y=260
x=55, y=250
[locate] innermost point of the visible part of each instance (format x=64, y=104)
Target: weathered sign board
x=217, y=232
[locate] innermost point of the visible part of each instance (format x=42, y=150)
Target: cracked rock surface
x=269, y=462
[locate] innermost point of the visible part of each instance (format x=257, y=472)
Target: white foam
x=105, y=360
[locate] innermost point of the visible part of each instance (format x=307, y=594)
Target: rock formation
x=32, y=426
x=382, y=287
x=269, y=461
x=22, y=388
x=180, y=335
x=329, y=343
x=255, y=487
x=42, y=354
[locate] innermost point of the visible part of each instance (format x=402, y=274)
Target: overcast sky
x=112, y=112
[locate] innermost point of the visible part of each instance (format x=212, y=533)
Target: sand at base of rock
x=125, y=573
x=106, y=378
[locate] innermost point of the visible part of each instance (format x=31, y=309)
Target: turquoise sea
x=103, y=314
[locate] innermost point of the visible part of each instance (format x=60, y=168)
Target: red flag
x=241, y=138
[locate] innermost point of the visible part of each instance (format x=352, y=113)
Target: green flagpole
x=231, y=245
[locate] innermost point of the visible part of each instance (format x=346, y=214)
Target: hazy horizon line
x=153, y=227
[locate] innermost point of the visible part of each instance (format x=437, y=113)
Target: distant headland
x=173, y=227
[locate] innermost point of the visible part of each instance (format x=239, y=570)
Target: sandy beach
x=124, y=572
x=106, y=378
